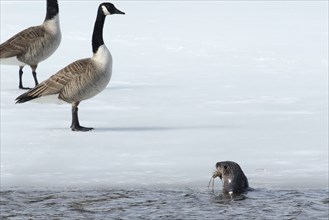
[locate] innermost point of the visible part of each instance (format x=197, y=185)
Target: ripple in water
x=181, y=203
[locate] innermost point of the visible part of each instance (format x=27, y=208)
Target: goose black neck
x=97, y=39
x=52, y=9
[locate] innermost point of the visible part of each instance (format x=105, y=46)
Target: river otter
x=234, y=180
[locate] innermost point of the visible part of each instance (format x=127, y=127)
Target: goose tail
x=25, y=98
x=34, y=93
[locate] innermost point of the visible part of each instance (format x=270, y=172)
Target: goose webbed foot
x=80, y=128
x=22, y=87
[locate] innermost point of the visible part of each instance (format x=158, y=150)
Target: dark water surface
x=163, y=203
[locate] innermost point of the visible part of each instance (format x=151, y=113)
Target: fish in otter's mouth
x=221, y=169
x=217, y=173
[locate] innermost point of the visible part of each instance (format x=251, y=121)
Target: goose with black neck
x=34, y=44
x=82, y=79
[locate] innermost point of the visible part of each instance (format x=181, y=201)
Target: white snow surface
x=193, y=83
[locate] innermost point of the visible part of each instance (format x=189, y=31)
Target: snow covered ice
x=193, y=83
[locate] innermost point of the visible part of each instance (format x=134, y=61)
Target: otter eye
x=225, y=167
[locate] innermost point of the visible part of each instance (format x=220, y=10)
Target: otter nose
x=218, y=164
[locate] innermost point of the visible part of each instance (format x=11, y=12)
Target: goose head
x=110, y=9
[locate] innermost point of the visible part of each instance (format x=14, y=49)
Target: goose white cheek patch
x=106, y=12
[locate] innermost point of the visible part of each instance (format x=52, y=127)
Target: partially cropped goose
x=83, y=78
x=34, y=44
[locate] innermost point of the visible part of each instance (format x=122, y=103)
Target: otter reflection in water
x=234, y=180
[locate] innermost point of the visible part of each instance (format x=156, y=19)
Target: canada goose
x=83, y=78
x=34, y=44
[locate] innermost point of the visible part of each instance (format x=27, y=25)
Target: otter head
x=226, y=168
x=234, y=180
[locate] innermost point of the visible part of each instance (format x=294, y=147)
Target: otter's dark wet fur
x=234, y=180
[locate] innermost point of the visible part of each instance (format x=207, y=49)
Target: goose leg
x=75, y=126
x=20, y=78
x=34, y=73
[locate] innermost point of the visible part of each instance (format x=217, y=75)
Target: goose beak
x=117, y=11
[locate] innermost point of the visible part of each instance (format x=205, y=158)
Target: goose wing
x=19, y=43
x=63, y=79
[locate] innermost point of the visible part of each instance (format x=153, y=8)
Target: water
x=163, y=203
